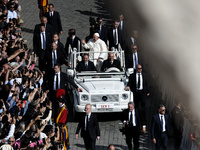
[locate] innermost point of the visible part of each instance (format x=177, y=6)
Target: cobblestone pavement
x=75, y=14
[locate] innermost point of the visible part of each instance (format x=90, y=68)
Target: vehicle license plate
x=103, y=106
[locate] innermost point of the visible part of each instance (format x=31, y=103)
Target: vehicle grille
x=101, y=98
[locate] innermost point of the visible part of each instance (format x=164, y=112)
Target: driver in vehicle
x=111, y=62
x=85, y=64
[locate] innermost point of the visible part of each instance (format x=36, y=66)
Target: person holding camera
x=134, y=124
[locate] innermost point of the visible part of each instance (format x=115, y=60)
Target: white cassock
x=99, y=47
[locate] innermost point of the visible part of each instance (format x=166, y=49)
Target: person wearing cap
x=61, y=122
x=99, y=47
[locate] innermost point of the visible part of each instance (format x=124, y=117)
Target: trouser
x=162, y=141
x=139, y=100
x=132, y=133
x=89, y=142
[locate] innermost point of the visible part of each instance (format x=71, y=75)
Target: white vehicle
x=105, y=91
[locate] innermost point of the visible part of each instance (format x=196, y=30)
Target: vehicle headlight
x=84, y=97
x=124, y=96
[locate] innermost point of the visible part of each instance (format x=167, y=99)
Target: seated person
x=110, y=62
x=85, y=64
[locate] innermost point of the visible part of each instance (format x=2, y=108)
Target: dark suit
x=49, y=57
x=38, y=50
x=54, y=21
x=73, y=45
x=92, y=131
x=81, y=66
x=111, y=38
x=177, y=122
x=157, y=133
x=107, y=64
x=133, y=132
x=103, y=33
x=129, y=60
x=48, y=28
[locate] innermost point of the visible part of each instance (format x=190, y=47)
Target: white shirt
x=121, y=24
x=54, y=85
x=134, y=65
x=115, y=30
x=51, y=13
x=164, y=129
x=141, y=81
x=134, y=118
x=11, y=15
x=133, y=40
x=41, y=36
x=86, y=119
x=99, y=47
x=53, y=58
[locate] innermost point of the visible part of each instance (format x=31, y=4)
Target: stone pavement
x=75, y=14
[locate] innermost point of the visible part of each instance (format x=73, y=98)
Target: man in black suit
x=132, y=59
x=48, y=27
x=102, y=30
x=177, y=122
x=134, y=124
x=110, y=62
x=72, y=41
x=40, y=45
x=60, y=46
x=85, y=64
x=131, y=40
x=53, y=57
x=53, y=18
x=89, y=128
x=160, y=128
x=139, y=86
x=115, y=36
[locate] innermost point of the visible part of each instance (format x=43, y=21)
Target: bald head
x=54, y=46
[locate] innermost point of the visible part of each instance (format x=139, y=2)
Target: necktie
x=54, y=58
x=56, y=81
x=131, y=118
x=86, y=66
x=161, y=122
x=111, y=62
x=115, y=38
x=138, y=80
x=51, y=14
x=135, y=60
x=72, y=41
x=44, y=41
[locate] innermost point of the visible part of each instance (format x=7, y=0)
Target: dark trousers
x=132, y=133
x=89, y=142
x=162, y=141
x=42, y=60
x=139, y=100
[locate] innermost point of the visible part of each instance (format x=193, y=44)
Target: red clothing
x=63, y=117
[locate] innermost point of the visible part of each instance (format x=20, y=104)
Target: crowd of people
x=33, y=100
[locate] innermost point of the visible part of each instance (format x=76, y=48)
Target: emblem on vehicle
x=104, y=98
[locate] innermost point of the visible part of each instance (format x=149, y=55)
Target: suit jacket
x=60, y=59
x=74, y=45
x=54, y=21
x=103, y=34
x=132, y=83
x=49, y=29
x=93, y=126
x=139, y=119
x=156, y=128
x=81, y=66
x=111, y=38
x=107, y=64
x=129, y=60
x=64, y=79
x=37, y=42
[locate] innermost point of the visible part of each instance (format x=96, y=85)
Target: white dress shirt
x=115, y=30
x=134, y=65
x=86, y=119
x=141, y=81
x=134, y=117
x=54, y=85
x=164, y=129
x=41, y=36
x=54, y=58
x=51, y=13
